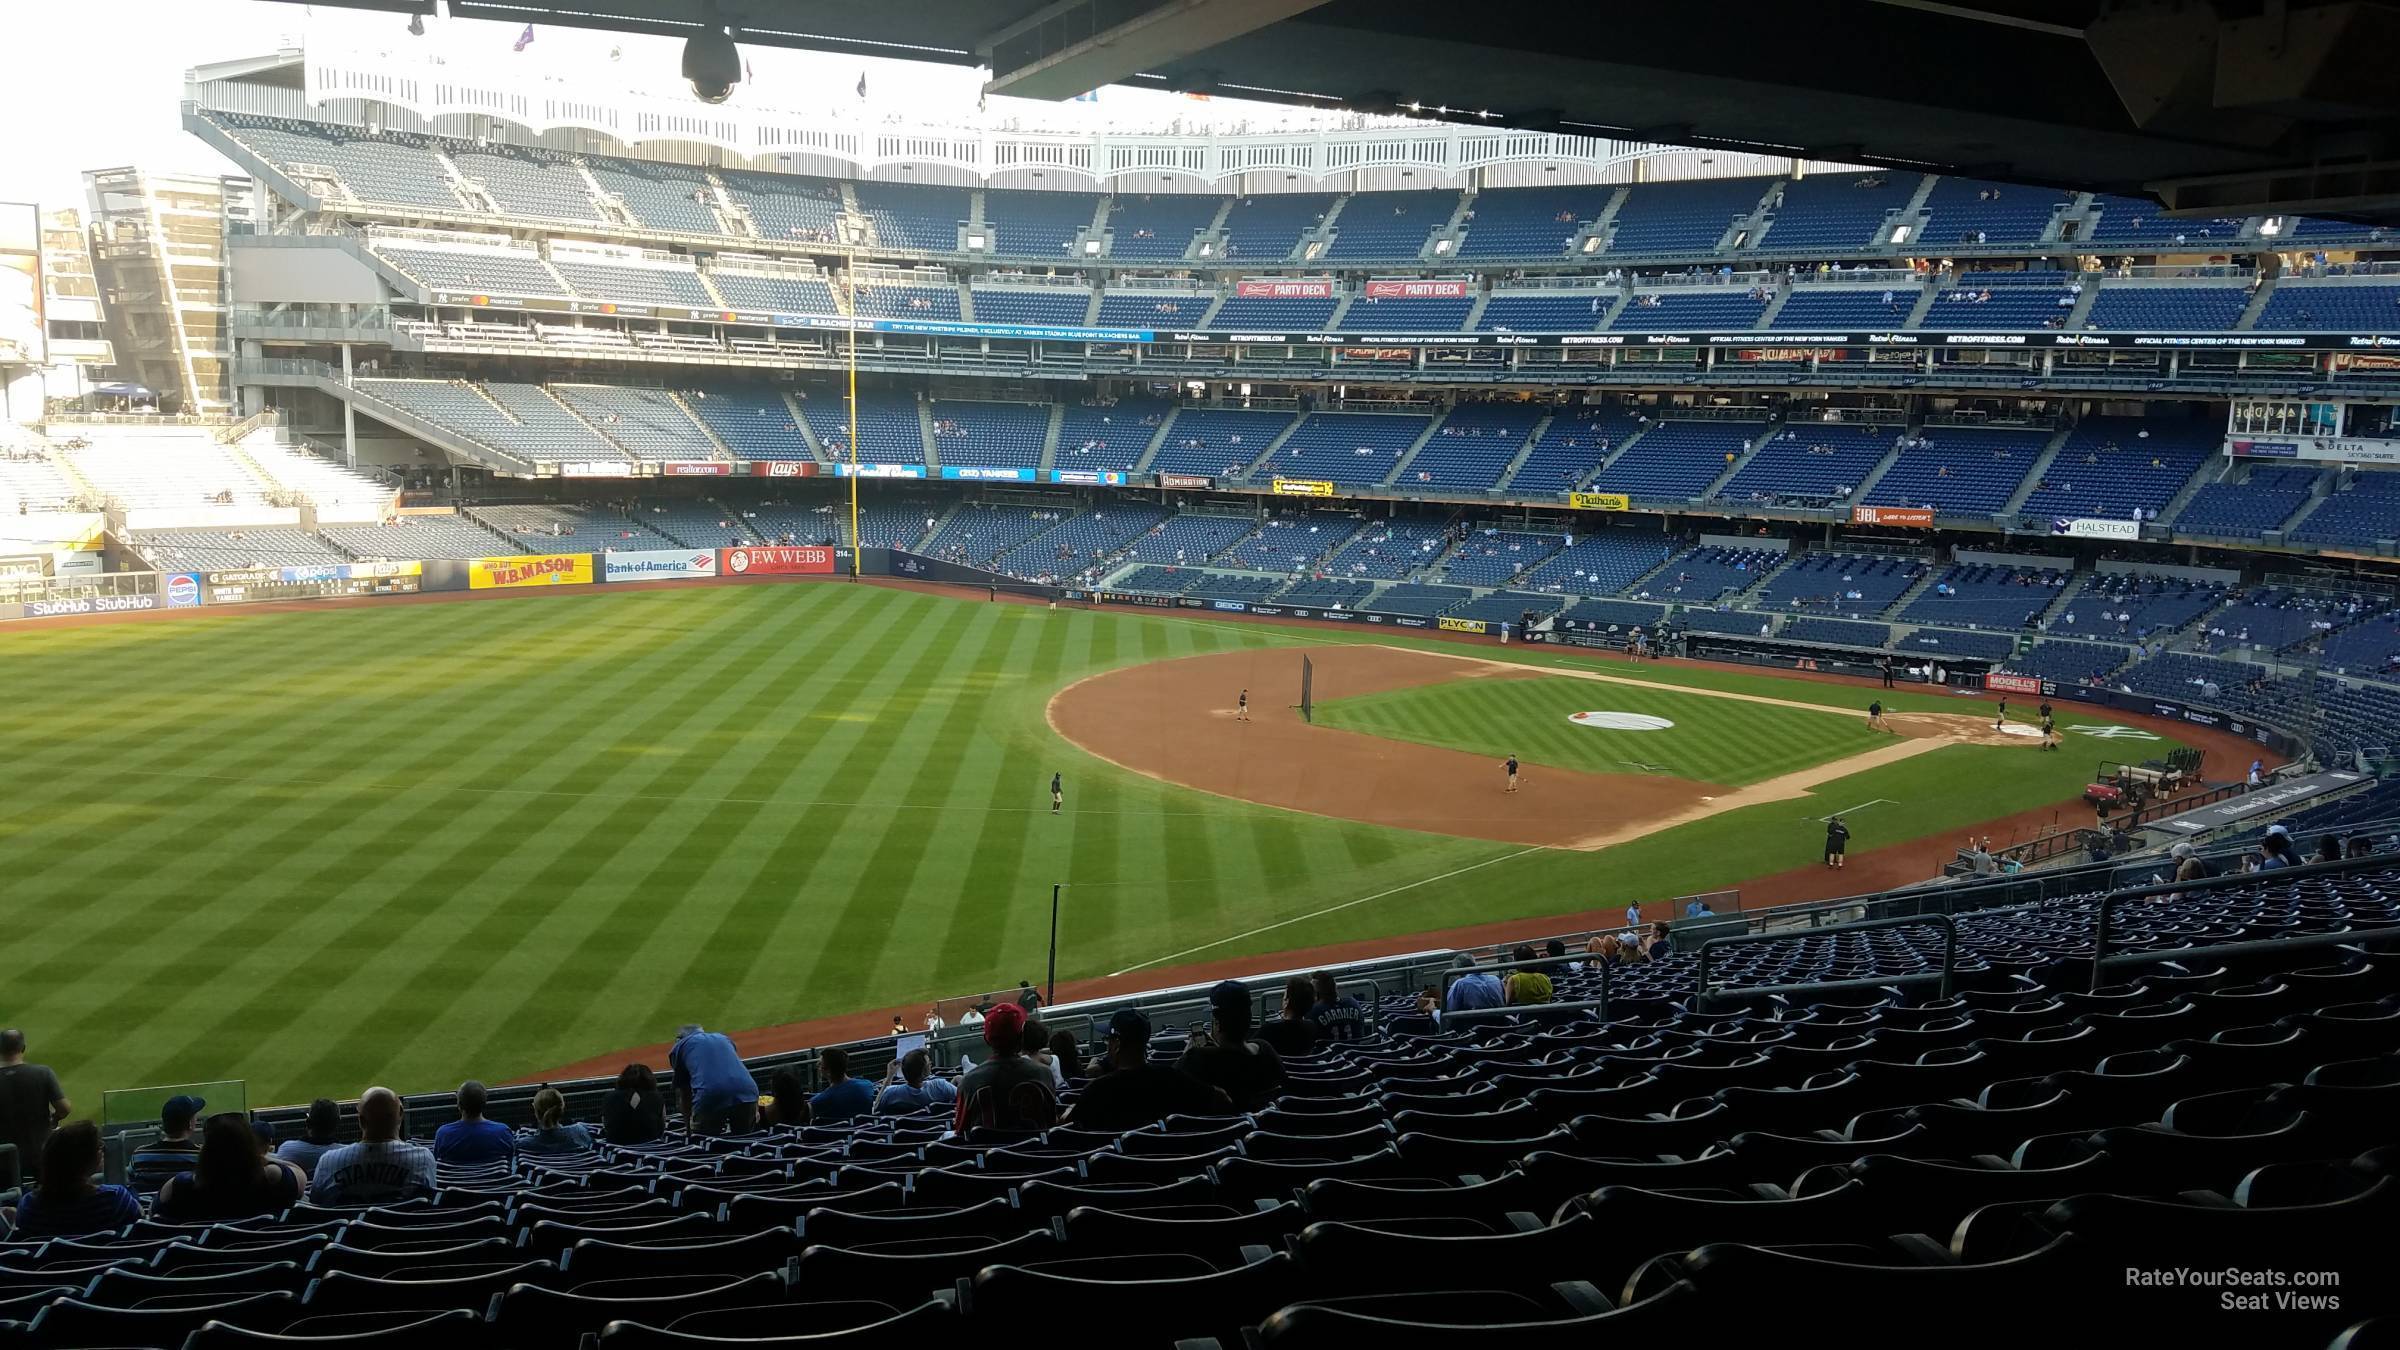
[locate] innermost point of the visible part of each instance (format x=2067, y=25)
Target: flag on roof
x=524, y=39
x=862, y=84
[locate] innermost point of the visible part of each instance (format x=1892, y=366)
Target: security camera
x=712, y=63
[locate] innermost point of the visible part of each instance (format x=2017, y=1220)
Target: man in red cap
x=1007, y=1091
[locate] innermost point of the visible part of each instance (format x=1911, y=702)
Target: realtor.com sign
x=2087, y=527
x=664, y=564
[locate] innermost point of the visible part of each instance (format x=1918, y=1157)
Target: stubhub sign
x=662, y=564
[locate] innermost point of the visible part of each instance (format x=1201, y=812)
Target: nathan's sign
x=1599, y=501
x=537, y=569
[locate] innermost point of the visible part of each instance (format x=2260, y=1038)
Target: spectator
x=232, y=1178
x=2189, y=865
x=471, y=1140
x=1131, y=1092
x=1523, y=988
x=912, y=1087
x=1027, y=999
x=843, y=1096
x=1226, y=1058
x=31, y=1102
x=1559, y=964
x=2329, y=849
x=1660, y=943
x=381, y=1167
x=2275, y=850
x=1066, y=1056
x=1476, y=989
x=634, y=1111
x=1338, y=1013
x=550, y=1135
x=785, y=1104
x=1292, y=1033
x=1633, y=915
x=1036, y=1037
x=716, y=1092
x=68, y=1202
x=1007, y=1091
x=324, y=1119
x=156, y=1163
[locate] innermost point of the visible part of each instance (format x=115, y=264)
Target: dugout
x=1776, y=653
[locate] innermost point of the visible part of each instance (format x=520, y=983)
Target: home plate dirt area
x=1175, y=721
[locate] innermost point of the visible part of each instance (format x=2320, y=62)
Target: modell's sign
x=2009, y=682
x=1416, y=290
x=1906, y=517
x=1319, y=289
x=778, y=561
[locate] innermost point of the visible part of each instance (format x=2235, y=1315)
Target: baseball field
x=405, y=843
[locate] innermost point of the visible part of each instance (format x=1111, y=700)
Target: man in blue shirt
x=156, y=1163
x=716, y=1091
x=1698, y=909
x=470, y=1140
x=381, y=1168
x=1477, y=989
x=843, y=1096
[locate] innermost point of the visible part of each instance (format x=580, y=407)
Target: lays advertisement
x=532, y=569
x=1599, y=501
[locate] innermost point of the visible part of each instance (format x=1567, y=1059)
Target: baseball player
x=1837, y=842
x=2049, y=729
x=1241, y=707
x=1875, y=715
x=2000, y=719
x=1511, y=766
x=1058, y=793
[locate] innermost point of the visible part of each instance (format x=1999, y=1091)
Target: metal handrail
x=1948, y=925
x=2108, y=902
x=2348, y=937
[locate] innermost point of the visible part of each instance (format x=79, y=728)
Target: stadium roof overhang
x=2218, y=107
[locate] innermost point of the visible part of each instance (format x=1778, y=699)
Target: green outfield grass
x=1712, y=739
x=412, y=843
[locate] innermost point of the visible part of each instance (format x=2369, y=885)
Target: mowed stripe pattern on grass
x=410, y=844
x=1713, y=740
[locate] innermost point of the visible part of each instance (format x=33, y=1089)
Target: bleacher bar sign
x=2090, y=527
x=659, y=564
x=1300, y=288
x=1302, y=487
x=1599, y=501
x=1905, y=517
x=805, y=560
x=1186, y=480
x=533, y=569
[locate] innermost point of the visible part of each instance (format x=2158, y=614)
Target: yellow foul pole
x=857, y=545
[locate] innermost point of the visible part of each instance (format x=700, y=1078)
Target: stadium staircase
x=1141, y=463
x=808, y=435
x=2257, y=306
x=1341, y=307
x=1615, y=453
x=940, y=523
x=1401, y=462
x=966, y=303
x=1766, y=317
x=2191, y=488
x=708, y=283
x=1601, y=224
x=925, y=433
x=85, y=489
x=2034, y=476
x=2082, y=309
x=1908, y=597
x=716, y=442
x=588, y=424
x=1765, y=437
x=1266, y=457
x=1516, y=462
x=1049, y=456
x=1912, y=212
x=1924, y=305
x=1215, y=303
x=1483, y=297
x=732, y=216
x=1858, y=492
x=611, y=205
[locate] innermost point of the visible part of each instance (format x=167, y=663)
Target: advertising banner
x=594, y=468
x=784, y=468
x=89, y=604
x=1302, y=487
x=1109, y=477
x=2324, y=449
x=2087, y=527
x=249, y=585
x=1186, y=480
x=1292, y=289
x=2009, y=682
x=530, y=569
x=1464, y=626
x=1906, y=517
x=1417, y=290
x=771, y=560
x=879, y=470
x=983, y=474
x=182, y=590
x=696, y=468
x=24, y=566
x=1599, y=501
x=659, y=564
